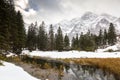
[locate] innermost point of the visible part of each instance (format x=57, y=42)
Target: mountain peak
x=89, y=16
x=89, y=21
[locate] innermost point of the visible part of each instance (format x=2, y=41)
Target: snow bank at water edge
x=9, y=71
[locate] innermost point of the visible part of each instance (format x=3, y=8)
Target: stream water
x=71, y=71
x=78, y=72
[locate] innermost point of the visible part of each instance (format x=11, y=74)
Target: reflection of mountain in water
x=77, y=72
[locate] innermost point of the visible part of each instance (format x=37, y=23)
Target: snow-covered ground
x=73, y=54
x=11, y=72
x=100, y=53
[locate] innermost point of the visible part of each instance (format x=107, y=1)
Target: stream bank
x=52, y=69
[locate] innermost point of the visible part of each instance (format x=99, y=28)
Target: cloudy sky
x=54, y=11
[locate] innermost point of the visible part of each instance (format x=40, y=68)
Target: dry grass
x=109, y=64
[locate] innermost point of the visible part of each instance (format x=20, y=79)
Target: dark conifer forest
x=12, y=30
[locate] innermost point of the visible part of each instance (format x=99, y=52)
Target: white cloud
x=57, y=10
x=22, y=3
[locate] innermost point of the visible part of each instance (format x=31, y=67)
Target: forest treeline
x=39, y=38
x=14, y=38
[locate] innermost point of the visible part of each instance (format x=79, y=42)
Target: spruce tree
x=21, y=33
x=42, y=37
x=100, y=38
x=66, y=42
x=87, y=43
x=55, y=44
x=4, y=26
x=111, y=35
x=51, y=38
x=76, y=42
x=59, y=40
x=73, y=43
x=31, y=37
x=105, y=37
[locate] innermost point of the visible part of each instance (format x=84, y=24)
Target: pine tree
x=4, y=27
x=76, y=42
x=66, y=42
x=42, y=37
x=21, y=33
x=73, y=43
x=111, y=35
x=31, y=37
x=96, y=40
x=55, y=44
x=100, y=38
x=13, y=28
x=87, y=43
x=51, y=38
x=105, y=37
x=59, y=40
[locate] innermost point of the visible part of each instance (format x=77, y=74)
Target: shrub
x=109, y=50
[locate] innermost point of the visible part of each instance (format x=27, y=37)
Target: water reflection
x=84, y=72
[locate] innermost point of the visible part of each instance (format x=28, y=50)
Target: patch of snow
x=114, y=48
x=10, y=54
x=11, y=72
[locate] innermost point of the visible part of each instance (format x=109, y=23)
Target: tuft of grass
x=47, y=66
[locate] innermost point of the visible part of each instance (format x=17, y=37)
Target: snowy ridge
x=89, y=21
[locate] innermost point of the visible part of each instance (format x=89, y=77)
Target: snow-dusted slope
x=89, y=21
x=11, y=72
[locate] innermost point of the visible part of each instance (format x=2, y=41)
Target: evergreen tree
x=42, y=37
x=87, y=43
x=31, y=37
x=111, y=35
x=96, y=39
x=105, y=38
x=21, y=33
x=76, y=42
x=73, y=43
x=59, y=40
x=55, y=44
x=100, y=38
x=51, y=38
x=66, y=42
x=13, y=27
x=4, y=26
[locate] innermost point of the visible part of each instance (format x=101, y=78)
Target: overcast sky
x=54, y=11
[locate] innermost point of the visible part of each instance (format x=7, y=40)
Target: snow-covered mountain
x=89, y=21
